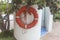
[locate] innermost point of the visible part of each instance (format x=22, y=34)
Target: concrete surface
x=55, y=34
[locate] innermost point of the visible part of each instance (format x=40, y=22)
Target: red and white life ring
x=20, y=23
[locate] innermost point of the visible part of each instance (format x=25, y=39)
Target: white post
x=48, y=19
x=31, y=34
x=50, y=23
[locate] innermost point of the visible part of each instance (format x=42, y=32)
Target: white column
x=48, y=19
x=31, y=34
x=50, y=23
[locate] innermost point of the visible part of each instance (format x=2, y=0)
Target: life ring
x=20, y=23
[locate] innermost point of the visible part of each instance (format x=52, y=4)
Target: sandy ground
x=55, y=34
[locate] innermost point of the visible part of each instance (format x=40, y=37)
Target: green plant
x=7, y=35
